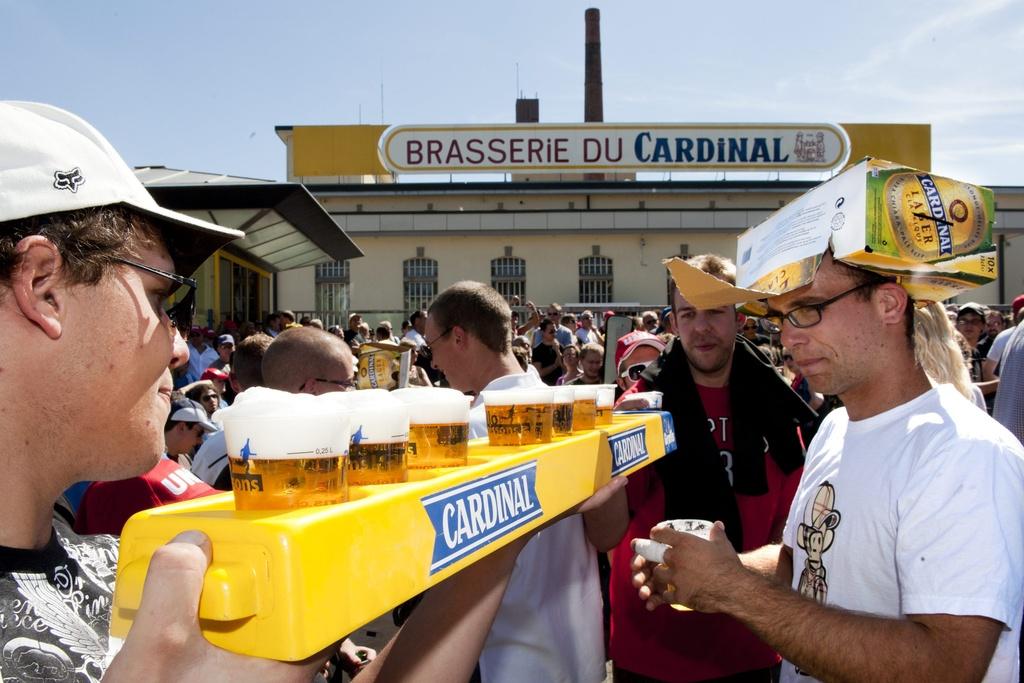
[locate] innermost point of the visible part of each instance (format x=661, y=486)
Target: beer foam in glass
x=518, y=417
x=438, y=426
x=605, y=404
x=584, y=406
x=561, y=420
x=380, y=437
x=285, y=450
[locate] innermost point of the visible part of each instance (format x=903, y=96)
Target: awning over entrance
x=285, y=226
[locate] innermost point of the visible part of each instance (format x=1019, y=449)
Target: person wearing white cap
x=80, y=235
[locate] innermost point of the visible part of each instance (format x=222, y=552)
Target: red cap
x=214, y=373
x=1017, y=304
x=630, y=342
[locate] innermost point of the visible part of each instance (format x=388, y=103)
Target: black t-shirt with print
x=55, y=607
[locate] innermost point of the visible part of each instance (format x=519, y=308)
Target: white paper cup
x=653, y=551
x=651, y=398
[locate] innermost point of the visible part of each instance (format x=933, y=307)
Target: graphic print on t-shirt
x=814, y=536
x=55, y=623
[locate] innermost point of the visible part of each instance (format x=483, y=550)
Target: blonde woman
x=940, y=354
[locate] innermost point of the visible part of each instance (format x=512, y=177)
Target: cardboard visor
x=930, y=234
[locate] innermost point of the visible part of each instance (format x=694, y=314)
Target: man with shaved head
x=308, y=360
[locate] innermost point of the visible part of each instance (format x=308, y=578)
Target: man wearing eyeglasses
x=562, y=333
x=308, y=360
x=903, y=555
x=548, y=627
x=739, y=460
x=80, y=235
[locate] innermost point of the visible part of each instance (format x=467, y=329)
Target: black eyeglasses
x=634, y=371
x=809, y=315
x=428, y=344
x=346, y=385
x=181, y=313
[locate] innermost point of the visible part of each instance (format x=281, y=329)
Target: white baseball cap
x=52, y=161
x=187, y=410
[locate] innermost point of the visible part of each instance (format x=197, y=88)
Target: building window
x=670, y=284
x=508, y=276
x=596, y=280
x=333, y=291
x=420, y=277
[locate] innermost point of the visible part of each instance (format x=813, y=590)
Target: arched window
x=508, y=276
x=420, y=278
x=596, y=280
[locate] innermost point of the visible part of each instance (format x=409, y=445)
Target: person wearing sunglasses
x=727, y=402
x=634, y=352
x=79, y=238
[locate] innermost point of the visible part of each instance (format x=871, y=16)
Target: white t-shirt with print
x=549, y=627
x=917, y=510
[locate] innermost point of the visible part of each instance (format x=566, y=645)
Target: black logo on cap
x=68, y=180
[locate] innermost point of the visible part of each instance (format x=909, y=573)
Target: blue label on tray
x=472, y=515
x=668, y=429
x=628, y=449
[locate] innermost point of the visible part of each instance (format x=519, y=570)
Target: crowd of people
x=890, y=546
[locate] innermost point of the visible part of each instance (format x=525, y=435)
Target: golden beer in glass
x=605, y=404
x=380, y=437
x=518, y=417
x=584, y=408
x=438, y=426
x=285, y=450
x=561, y=419
x=377, y=463
x=280, y=484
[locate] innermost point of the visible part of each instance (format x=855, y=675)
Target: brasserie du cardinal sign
x=613, y=147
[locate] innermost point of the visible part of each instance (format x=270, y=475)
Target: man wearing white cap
x=80, y=235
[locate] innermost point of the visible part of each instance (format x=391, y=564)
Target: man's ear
x=459, y=336
x=38, y=286
x=893, y=302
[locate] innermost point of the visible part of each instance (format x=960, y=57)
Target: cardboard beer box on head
x=932, y=234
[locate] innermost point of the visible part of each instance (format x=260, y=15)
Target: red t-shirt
x=107, y=505
x=675, y=646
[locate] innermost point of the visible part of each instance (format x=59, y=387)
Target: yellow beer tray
x=285, y=584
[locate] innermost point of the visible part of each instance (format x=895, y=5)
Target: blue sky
x=201, y=85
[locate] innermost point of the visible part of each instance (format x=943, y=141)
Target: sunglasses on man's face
x=181, y=313
x=634, y=371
